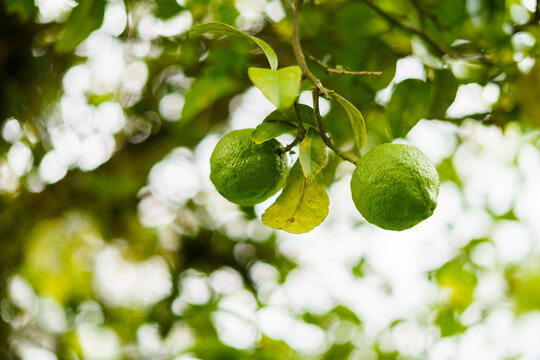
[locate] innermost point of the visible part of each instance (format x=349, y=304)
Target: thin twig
x=440, y=48
x=299, y=136
x=339, y=71
x=322, y=131
x=298, y=53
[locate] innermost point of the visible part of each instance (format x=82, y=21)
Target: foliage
x=111, y=232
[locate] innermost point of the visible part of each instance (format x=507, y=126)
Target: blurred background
x=114, y=244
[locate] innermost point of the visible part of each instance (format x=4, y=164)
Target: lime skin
x=395, y=186
x=247, y=173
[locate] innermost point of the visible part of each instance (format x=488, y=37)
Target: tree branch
x=322, y=131
x=338, y=70
x=301, y=132
x=440, y=48
x=298, y=53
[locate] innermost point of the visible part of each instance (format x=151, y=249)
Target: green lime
x=395, y=186
x=246, y=173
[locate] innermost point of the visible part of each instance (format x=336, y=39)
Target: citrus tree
x=158, y=155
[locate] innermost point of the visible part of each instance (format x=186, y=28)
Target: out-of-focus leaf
x=459, y=282
x=443, y=92
x=23, y=8
x=339, y=351
x=84, y=19
x=312, y=154
x=359, y=269
x=528, y=93
x=271, y=129
x=280, y=87
x=204, y=92
x=524, y=285
x=345, y=313
x=224, y=29
x=166, y=9
x=213, y=350
x=448, y=324
x=301, y=207
x=356, y=119
x=407, y=106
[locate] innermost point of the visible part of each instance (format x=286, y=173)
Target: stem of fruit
x=299, y=54
x=301, y=132
x=322, y=130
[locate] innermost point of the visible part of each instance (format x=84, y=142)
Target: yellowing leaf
x=218, y=28
x=269, y=130
x=312, y=154
x=301, y=207
x=356, y=119
x=280, y=87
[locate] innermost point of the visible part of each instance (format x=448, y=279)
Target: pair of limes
x=394, y=186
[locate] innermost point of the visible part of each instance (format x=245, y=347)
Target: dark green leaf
x=305, y=112
x=224, y=29
x=356, y=119
x=84, y=19
x=166, y=9
x=301, y=207
x=271, y=129
x=23, y=8
x=312, y=154
x=280, y=87
x=407, y=106
x=443, y=92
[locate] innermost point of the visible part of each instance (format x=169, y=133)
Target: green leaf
x=204, y=92
x=301, y=207
x=312, y=154
x=305, y=112
x=459, y=283
x=280, y=87
x=356, y=119
x=448, y=323
x=407, y=106
x=84, y=19
x=23, y=8
x=166, y=9
x=270, y=129
x=218, y=28
x=443, y=93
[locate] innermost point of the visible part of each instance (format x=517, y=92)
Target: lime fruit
x=246, y=173
x=395, y=186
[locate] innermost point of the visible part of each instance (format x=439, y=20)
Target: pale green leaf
x=312, y=154
x=84, y=19
x=301, y=207
x=280, y=87
x=356, y=119
x=270, y=129
x=408, y=104
x=218, y=28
